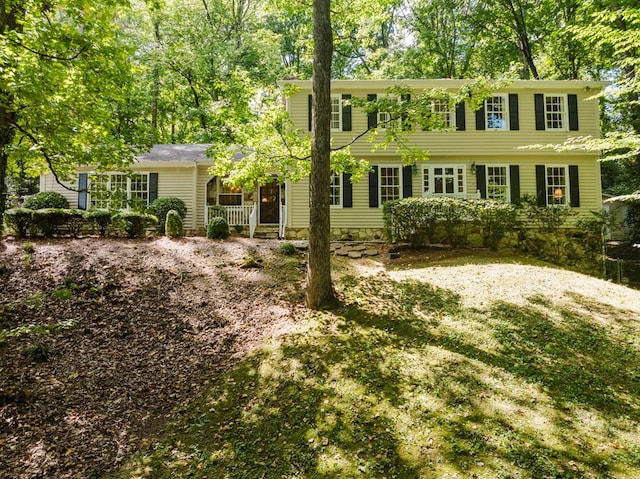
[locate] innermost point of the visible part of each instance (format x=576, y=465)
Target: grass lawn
x=406, y=382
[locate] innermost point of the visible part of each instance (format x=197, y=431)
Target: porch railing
x=236, y=215
x=283, y=222
x=253, y=221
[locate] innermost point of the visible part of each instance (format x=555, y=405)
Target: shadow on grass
x=405, y=383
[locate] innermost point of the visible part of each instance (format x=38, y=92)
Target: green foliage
x=48, y=221
x=161, y=206
x=218, y=228
x=496, y=218
x=174, y=224
x=632, y=220
x=411, y=219
x=134, y=224
x=101, y=220
x=46, y=199
x=28, y=247
x=20, y=220
x=287, y=249
x=219, y=210
x=548, y=219
x=75, y=221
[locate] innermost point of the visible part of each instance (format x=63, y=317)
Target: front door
x=270, y=203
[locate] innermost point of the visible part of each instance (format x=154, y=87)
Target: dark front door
x=270, y=203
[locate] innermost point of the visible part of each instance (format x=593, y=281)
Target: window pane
x=336, y=113
x=389, y=183
x=556, y=185
x=554, y=112
x=497, y=182
x=495, y=110
x=335, y=189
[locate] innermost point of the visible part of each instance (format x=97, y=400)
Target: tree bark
x=320, y=293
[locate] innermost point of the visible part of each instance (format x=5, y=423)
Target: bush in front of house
x=174, y=224
x=75, y=221
x=133, y=223
x=46, y=199
x=496, y=219
x=161, y=206
x=100, y=220
x=411, y=219
x=218, y=228
x=49, y=221
x=19, y=220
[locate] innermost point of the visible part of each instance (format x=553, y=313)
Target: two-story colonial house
x=479, y=155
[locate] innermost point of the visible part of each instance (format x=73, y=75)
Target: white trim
x=455, y=166
x=507, y=175
x=565, y=111
x=567, y=192
x=109, y=174
x=400, y=185
x=452, y=112
x=505, y=112
x=340, y=190
x=339, y=98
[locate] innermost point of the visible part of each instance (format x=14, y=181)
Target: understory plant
x=174, y=224
x=218, y=228
x=161, y=206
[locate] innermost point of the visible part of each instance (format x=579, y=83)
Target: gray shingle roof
x=186, y=152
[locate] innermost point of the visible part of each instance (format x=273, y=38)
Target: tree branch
x=50, y=57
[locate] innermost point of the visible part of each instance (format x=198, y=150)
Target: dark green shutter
x=541, y=185
x=514, y=119
x=407, y=177
x=346, y=112
x=373, y=187
x=539, y=107
x=153, y=187
x=461, y=123
x=481, y=180
x=310, y=110
x=514, y=183
x=574, y=187
x=480, y=124
x=572, y=101
x=372, y=117
x=406, y=124
x=347, y=191
x=83, y=183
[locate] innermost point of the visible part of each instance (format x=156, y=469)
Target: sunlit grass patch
x=404, y=382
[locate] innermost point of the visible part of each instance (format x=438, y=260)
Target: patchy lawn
x=495, y=369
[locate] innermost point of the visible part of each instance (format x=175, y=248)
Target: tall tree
x=320, y=292
x=63, y=69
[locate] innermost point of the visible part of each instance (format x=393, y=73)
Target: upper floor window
x=497, y=183
x=443, y=180
x=119, y=191
x=555, y=112
x=442, y=111
x=496, y=112
x=336, y=113
x=336, y=189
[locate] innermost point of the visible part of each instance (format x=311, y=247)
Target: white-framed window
x=557, y=185
x=442, y=111
x=385, y=117
x=336, y=190
x=496, y=113
x=447, y=180
x=336, y=112
x=555, y=112
x=498, y=182
x=118, y=191
x=390, y=181
x=229, y=195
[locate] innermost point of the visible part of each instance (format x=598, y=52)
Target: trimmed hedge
x=19, y=220
x=46, y=199
x=218, y=228
x=134, y=224
x=100, y=220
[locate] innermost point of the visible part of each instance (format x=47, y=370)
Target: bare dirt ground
x=139, y=327
x=146, y=325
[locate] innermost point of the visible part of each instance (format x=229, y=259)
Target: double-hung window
x=555, y=112
x=119, y=191
x=390, y=183
x=441, y=110
x=557, y=185
x=443, y=180
x=498, y=183
x=336, y=112
x=496, y=112
x=336, y=189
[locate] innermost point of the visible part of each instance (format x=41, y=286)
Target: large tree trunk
x=320, y=292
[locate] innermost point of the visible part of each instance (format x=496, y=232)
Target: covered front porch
x=262, y=206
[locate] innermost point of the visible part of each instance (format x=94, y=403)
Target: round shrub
x=161, y=206
x=218, y=228
x=101, y=220
x=46, y=199
x=133, y=223
x=174, y=224
x=19, y=220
